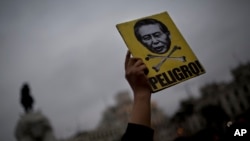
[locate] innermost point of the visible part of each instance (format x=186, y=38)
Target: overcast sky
x=72, y=55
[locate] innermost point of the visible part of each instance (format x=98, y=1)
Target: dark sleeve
x=136, y=132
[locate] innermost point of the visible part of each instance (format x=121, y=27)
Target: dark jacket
x=136, y=132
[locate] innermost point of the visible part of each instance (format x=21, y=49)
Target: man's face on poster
x=154, y=39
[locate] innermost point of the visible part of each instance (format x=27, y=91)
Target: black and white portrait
x=153, y=35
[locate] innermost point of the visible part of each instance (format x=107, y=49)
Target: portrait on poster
x=165, y=52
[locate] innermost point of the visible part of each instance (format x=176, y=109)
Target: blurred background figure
x=26, y=98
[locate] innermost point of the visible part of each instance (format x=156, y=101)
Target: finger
x=127, y=58
x=142, y=67
x=138, y=62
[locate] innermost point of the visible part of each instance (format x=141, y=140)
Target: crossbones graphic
x=164, y=58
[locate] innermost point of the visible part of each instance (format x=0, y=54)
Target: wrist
x=142, y=95
x=141, y=90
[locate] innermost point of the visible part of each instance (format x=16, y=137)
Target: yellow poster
x=163, y=49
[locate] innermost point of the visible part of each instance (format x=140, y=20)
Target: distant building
x=227, y=101
x=231, y=98
x=115, y=118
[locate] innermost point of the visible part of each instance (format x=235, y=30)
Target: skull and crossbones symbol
x=164, y=58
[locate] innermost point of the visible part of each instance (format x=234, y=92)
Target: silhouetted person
x=26, y=98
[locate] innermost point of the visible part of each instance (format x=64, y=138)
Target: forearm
x=141, y=109
x=139, y=126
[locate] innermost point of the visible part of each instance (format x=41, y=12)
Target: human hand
x=134, y=73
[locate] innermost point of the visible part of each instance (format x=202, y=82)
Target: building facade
x=115, y=118
x=219, y=104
